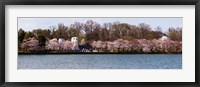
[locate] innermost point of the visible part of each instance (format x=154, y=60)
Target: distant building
x=74, y=39
x=164, y=38
x=61, y=40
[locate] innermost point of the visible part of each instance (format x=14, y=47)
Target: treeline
x=55, y=45
x=92, y=31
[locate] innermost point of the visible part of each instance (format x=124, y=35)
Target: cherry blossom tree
x=30, y=44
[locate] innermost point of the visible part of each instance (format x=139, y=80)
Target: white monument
x=74, y=40
x=164, y=38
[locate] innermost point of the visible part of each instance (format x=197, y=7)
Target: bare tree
x=144, y=28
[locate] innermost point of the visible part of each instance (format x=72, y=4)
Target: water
x=99, y=61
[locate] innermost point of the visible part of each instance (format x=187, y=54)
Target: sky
x=28, y=24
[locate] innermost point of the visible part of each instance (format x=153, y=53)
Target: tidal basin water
x=100, y=61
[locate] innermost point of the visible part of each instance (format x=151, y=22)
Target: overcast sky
x=28, y=24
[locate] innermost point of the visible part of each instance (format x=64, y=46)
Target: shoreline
x=63, y=53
